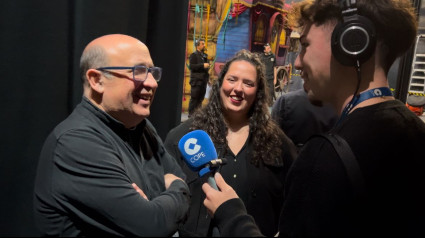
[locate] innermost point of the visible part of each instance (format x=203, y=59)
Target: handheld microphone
x=200, y=155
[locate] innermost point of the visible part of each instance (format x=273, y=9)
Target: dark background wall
x=40, y=45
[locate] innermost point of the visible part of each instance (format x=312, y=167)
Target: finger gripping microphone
x=200, y=154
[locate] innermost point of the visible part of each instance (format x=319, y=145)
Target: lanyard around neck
x=371, y=93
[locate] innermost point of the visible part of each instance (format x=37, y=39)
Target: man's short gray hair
x=92, y=58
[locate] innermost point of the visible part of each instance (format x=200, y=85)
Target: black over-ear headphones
x=354, y=39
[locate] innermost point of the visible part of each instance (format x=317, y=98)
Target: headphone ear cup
x=353, y=40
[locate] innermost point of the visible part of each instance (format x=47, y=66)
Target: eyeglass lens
x=140, y=73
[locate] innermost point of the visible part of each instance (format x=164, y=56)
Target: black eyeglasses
x=140, y=72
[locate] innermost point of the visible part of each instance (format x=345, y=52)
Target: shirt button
x=235, y=160
x=234, y=176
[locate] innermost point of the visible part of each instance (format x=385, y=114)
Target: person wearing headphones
x=199, y=76
x=347, y=50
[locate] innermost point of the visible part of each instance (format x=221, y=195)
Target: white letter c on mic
x=195, y=149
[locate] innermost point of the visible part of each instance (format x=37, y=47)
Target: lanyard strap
x=371, y=93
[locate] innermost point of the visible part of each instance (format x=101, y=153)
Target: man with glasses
x=104, y=170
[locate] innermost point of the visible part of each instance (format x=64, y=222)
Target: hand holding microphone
x=200, y=155
x=214, y=197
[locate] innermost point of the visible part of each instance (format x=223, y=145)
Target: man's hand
x=169, y=178
x=139, y=191
x=206, y=65
x=215, y=198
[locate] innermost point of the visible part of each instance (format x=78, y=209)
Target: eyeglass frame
x=149, y=70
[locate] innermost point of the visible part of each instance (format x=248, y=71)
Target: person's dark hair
x=198, y=41
x=395, y=22
x=92, y=58
x=266, y=134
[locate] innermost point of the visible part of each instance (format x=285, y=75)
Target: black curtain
x=40, y=46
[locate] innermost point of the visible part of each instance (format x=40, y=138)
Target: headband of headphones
x=347, y=4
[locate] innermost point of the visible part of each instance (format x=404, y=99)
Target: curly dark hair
x=266, y=135
x=395, y=21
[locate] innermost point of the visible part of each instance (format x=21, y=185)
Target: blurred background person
x=269, y=61
x=301, y=118
x=199, y=76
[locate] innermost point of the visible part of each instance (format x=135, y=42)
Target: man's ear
x=95, y=80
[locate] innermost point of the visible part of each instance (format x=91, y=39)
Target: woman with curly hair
x=259, y=154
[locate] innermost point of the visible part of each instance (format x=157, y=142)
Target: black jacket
x=86, y=168
x=387, y=141
x=300, y=119
x=269, y=61
x=198, y=74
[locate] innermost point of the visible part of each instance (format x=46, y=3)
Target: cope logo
x=190, y=146
x=377, y=92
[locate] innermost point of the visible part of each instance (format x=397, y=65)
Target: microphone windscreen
x=197, y=149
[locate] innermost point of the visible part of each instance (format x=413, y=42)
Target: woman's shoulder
x=179, y=131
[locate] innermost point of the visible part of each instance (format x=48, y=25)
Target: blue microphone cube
x=197, y=149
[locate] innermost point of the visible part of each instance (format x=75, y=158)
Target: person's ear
x=95, y=80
